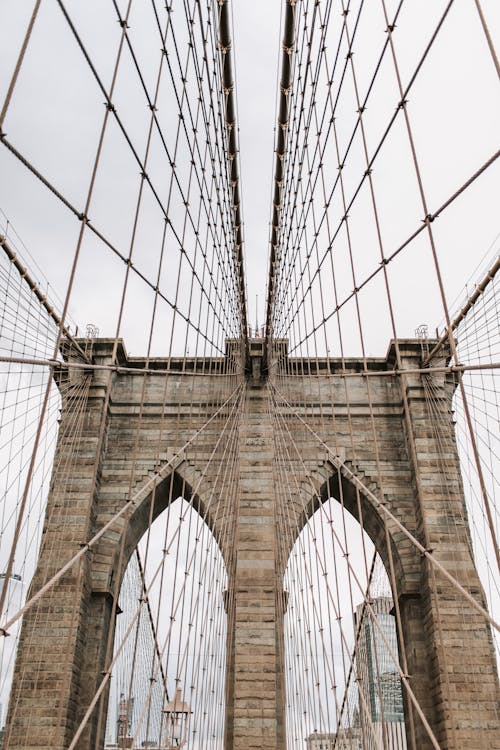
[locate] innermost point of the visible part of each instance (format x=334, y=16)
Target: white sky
x=56, y=111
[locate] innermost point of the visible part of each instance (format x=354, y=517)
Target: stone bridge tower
x=69, y=628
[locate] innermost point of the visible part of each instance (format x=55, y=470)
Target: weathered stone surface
x=122, y=441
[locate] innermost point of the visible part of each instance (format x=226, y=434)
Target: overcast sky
x=56, y=111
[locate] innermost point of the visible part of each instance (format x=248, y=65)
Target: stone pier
x=257, y=720
x=135, y=431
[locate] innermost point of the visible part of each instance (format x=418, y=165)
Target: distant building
x=379, y=684
x=124, y=722
x=348, y=738
x=141, y=746
x=319, y=741
x=14, y=602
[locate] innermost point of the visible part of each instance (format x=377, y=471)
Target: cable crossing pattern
x=219, y=537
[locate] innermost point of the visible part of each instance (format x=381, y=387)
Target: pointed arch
x=341, y=655
x=329, y=482
x=178, y=609
x=115, y=548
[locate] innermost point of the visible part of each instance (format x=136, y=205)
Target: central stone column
x=255, y=673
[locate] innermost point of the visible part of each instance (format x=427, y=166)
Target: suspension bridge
x=225, y=536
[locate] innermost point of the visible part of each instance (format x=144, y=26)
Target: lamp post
x=176, y=715
x=124, y=740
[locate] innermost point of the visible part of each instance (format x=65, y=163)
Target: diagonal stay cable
x=143, y=491
x=340, y=464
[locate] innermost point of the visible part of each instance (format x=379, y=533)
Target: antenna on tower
x=256, y=315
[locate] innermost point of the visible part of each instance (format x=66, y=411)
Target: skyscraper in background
x=379, y=684
x=14, y=601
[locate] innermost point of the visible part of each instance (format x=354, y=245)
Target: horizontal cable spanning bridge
x=219, y=537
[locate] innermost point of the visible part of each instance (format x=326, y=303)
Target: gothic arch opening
x=343, y=686
x=175, y=486
x=170, y=634
x=379, y=532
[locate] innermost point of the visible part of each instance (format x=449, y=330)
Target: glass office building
x=379, y=684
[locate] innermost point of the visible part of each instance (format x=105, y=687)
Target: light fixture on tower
x=177, y=716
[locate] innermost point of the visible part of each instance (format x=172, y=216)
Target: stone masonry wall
x=357, y=428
